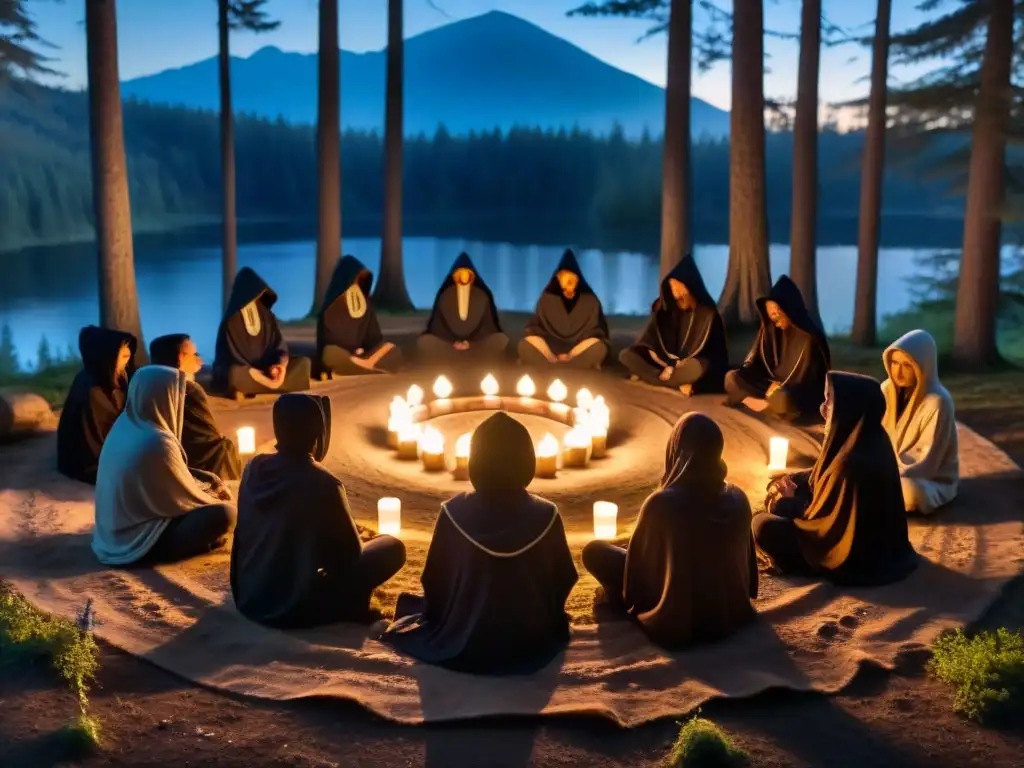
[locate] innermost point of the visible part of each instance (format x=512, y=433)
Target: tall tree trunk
x=328, y=151
x=804, y=214
x=748, y=276
x=391, y=291
x=977, y=297
x=675, y=167
x=119, y=299
x=872, y=174
x=229, y=258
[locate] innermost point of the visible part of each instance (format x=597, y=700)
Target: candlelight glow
x=398, y=407
x=577, y=437
x=605, y=520
x=246, y=440
x=557, y=391
x=778, y=453
x=580, y=417
x=414, y=396
x=462, y=446
x=489, y=386
x=432, y=441
x=409, y=433
x=584, y=399
x=526, y=387
x=600, y=415
x=442, y=388
x=389, y=516
x=548, y=446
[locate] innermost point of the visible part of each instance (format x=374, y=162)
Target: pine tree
x=8, y=352
x=44, y=357
x=20, y=41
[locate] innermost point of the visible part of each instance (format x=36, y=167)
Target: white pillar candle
x=547, y=457
x=605, y=520
x=462, y=446
x=576, y=447
x=246, y=440
x=778, y=453
x=432, y=450
x=409, y=442
x=389, y=516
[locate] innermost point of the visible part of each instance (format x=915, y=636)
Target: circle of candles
x=409, y=442
x=547, y=457
x=389, y=516
x=525, y=387
x=442, y=388
x=246, y=440
x=400, y=415
x=584, y=399
x=600, y=414
x=489, y=386
x=778, y=453
x=577, y=447
x=605, y=520
x=432, y=450
x=557, y=391
x=461, y=471
x=414, y=396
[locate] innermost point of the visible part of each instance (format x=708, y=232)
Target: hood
x=857, y=410
x=99, y=348
x=302, y=425
x=156, y=399
x=165, y=350
x=921, y=348
x=687, y=273
x=693, y=454
x=501, y=455
x=348, y=270
x=568, y=263
x=248, y=287
x=786, y=294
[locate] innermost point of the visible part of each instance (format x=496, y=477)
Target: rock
x=23, y=413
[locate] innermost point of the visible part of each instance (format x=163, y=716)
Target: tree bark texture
x=229, y=257
x=118, y=295
x=676, y=186
x=328, y=151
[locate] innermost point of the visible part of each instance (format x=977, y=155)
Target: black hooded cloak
x=335, y=324
x=797, y=358
x=691, y=568
x=498, y=571
x=482, y=319
x=296, y=544
x=563, y=323
x=95, y=400
x=235, y=346
x=853, y=530
x=674, y=334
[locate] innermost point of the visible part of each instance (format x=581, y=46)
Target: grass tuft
x=986, y=672
x=702, y=744
x=82, y=735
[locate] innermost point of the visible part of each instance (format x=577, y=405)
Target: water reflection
x=52, y=291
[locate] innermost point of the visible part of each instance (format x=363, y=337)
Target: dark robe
x=295, y=558
x=482, y=318
x=205, y=447
x=690, y=570
x=673, y=334
x=237, y=351
x=339, y=335
x=562, y=322
x=853, y=527
x=95, y=400
x=498, y=571
x=797, y=358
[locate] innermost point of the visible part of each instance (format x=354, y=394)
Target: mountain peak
x=266, y=51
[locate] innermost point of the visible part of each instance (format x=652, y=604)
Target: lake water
x=52, y=292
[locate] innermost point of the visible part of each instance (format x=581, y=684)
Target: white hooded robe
x=924, y=435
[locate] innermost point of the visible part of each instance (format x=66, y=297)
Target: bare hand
x=666, y=374
x=360, y=351
x=783, y=487
x=461, y=345
x=564, y=358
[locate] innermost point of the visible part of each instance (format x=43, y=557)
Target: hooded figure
x=95, y=400
x=568, y=326
x=297, y=560
x=464, y=321
x=683, y=345
x=251, y=356
x=921, y=421
x=148, y=504
x=850, y=526
x=786, y=366
x=498, y=571
x=689, y=572
x=205, y=447
x=348, y=337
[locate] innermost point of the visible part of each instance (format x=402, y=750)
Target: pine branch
x=251, y=16
x=19, y=40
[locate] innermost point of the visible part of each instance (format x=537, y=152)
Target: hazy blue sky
x=156, y=34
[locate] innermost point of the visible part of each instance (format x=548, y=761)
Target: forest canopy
x=527, y=175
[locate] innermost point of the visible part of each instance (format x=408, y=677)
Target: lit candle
x=525, y=387
x=399, y=416
x=598, y=441
x=547, y=456
x=584, y=399
x=414, y=396
x=605, y=520
x=461, y=471
x=778, y=453
x=409, y=442
x=432, y=450
x=600, y=414
x=442, y=391
x=489, y=386
x=246, y=440
x=557, y=391
x=577, y=447
x=389, y=516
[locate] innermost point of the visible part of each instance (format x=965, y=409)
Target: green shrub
x=702, y=744
x=986, y=672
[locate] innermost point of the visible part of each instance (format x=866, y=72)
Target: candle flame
x=584, y=399
x=548, y=446
x=462, y=446
x=489, y=386
x=577, y=437
x=414, y=396
x=557, y=391
x=408, y=433
x=398, y=406
x=432, y=441
x=526, y=387
x=599, y=412
x=580, y=417
x=442, y=388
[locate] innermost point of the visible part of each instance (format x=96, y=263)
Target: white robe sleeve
x=935, y=433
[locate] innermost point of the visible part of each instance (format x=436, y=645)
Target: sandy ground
x=882, y=719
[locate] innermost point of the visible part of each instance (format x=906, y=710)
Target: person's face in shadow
x=464, y=276
x=684, y=299
x=902, y=370
x=189, y=360
x=124, y=356
x=775, y=314
x=828, y=406
x=568, y=282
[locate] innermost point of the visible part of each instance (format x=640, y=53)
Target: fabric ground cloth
x=809, y=635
